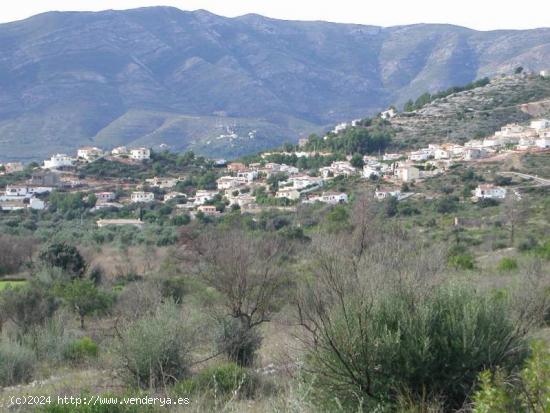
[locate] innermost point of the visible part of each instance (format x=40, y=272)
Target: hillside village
x=238, y=184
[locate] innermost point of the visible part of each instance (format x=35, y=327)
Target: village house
x=58, y=161
x=388, y=114
x=338, y=168
x=209, y=210
x=490, y=191
x=543, y=143
x=472, y=153
x=236, y=167
x=241, y=199
x=173, y=195
x=289, y=193
x=332, y=198
x=163, y=183
x=19, y=203
x=382, y=194
x=201, y=196
x=419, y=156
x=407, y=173
x=89, y=153
x=120, y=151
x=302, y=181
x=140, y=154
x=26, y=191
x=248, y=174
x=369, y=171
x=12, y=167
x=228, y=182
x=105, y=196
x=540, y=124
x=141, y=196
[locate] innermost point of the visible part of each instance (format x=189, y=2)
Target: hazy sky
x=478, y=14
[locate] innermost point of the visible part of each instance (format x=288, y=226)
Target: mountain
x=223, y=86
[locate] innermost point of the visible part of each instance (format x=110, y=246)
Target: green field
x=6, y=284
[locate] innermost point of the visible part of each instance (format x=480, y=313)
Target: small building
x=119, y=151
x=289, y=193
x=140, y=154
x=490, y=191
x=201, y=196
x=89, y=153
x=369, y=171
x=141, y=196
x=228, y=182
x=540, y=124
x=419, y=156
x=236, y=167
x=26, y=191
x=138, y=223
x=388, y=114
x=105, y=196
x=174, y=195
x=332, y=198
x=391, y=156
x=472, y=153
x=209, y=210
x=408, y=173
x=163, y=183
x=248, y=174
x=543, y=143
x=382, y=194
x=59, y=160
x=12, y=167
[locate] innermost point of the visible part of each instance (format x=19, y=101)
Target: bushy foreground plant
x=17, y=363
x=154, y=351
x=369, y=353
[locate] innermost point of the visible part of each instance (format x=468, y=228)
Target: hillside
x=474, y=113
x=162, y=75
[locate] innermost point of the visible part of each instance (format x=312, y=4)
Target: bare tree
x=249, y=273
x=514, y=214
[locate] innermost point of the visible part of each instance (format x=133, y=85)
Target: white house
x=332, y=198
x=140, y=154
x=228, y=182
x=369, y=171
x=105, y=196
x=201, y=196
x=173, y=195
x=540, y=124
x=419, y=156
x=248, y=174
x=163, y=183
x=26, y=191
x=89, y=153
x=120, y=150
x=58, y=161
x=474, y=153
x=303, y=181
x=388, y=114
x=12, y=167
x=36, y=203
x=408, y=173
x=289, y=193
x=543, y=143
x=391, y=156
x=490, y=191
x=441, y=153
x=141, y=196
x=386, y=193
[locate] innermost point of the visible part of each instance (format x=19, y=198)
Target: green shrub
x=238, y=342
x=433, y=345
x=462, y=262
x=81, y=349
x=543, y=251
x=527, y=391
x=155, y=350
x=222, y=380
x=17, y=363
x=507, y=264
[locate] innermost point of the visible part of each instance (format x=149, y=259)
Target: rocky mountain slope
x=223, y=86
x=475, y=113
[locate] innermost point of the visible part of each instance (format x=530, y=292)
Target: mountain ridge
x=67, y=76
